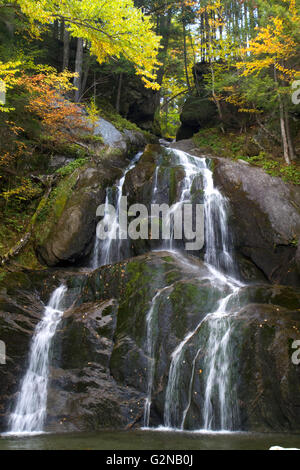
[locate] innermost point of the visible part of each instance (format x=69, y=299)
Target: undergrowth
x=244, y=147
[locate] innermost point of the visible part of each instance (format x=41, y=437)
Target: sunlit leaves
x=113, y=28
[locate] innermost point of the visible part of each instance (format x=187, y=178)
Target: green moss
x=68, y=169
x=54, y=206
x=289, y=174
x=169, y=259
x=243, y=147
x=28, y=258
x=91, y=139
x=68, y=149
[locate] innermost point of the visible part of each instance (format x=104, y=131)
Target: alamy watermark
x=296, y=354
x=2, y=92
x=296, y=92
x=2, y=353
x=181, y=221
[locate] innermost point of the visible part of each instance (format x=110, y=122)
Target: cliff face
x=100, y=362
x=264, y=219
x=265, y=216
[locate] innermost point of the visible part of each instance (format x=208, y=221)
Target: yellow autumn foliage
x=113, y=28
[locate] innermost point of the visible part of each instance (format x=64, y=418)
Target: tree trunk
x=185, y=56
x=284, y=137
x=87, y=66
x=288, y=133
x=283, y=133
x=66, y=55
x=55, y=29
x=118, y=102
x=164, y=31
x=216, y=101
x=78, y=69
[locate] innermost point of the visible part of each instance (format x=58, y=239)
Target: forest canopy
x=225, y=73
x=112, y=28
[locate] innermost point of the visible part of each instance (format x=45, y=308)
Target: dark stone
x=71, y=235
x=198, y=112
x=98, y=376
x=22, y=299
x=265, y=220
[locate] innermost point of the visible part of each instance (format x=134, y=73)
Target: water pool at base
x=149, y=440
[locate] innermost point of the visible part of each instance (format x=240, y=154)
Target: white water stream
x=31, y=407
x=219, y=399
x=109, y=250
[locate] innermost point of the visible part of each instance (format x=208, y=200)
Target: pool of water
x=149, y=440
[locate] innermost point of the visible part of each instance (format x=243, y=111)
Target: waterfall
x=217, y=363
x=109, y=250
x=150, y=340
x=192, y=166
x=219, y=394
x=30, y=410
x=218, y=252
x=155, y=186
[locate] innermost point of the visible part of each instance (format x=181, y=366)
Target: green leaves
x=113, y=28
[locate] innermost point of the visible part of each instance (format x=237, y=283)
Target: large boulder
x=127, y=142
x=198, y=112
x=265, y=217
x=67, y=234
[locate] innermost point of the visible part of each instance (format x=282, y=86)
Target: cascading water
x=31, y=407
x=219, y=395
x=192, y=166
x=109, y=251
x=155, y=186
x=218, y=251
x=217, y=364
x=30, y=411
x=219, y=401
x=150, y=335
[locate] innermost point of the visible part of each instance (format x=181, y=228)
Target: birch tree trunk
x=78, y=69
x=284, y=136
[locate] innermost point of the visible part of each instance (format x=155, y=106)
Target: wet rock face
x=100, y=362
x=72, y=235
x=22, y=299
x=83, y=393
x=266, y=218
x=269, y=382
x=140, y=182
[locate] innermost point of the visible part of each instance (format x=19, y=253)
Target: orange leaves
x=58, y=115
